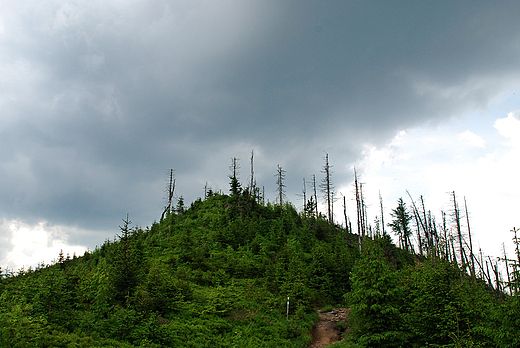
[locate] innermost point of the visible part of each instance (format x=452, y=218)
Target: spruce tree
x=234, y=183
x=374, y=299
x=400, y=223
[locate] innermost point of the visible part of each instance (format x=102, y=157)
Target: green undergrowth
x=219, y=273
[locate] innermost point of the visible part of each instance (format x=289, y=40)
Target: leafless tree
x=171, y=189
x=445, y=235
x=315, y=194
x=360, y=206
x=470, y=241
x=304, y=194
x=280, y=177
x=456, y=215
x=382, y=214
x=328, y=188
x=345, y=213
x=252, y=182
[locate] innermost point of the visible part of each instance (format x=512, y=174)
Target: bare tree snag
x=507, y=270
x=345, y=212
x=488, y=275
x=364, y=218
x=471, y=256
x=315, y=194
x=304, y=193
x=426, y=226
x=359, y=209
x=483, y=272
x=280, y=177
x=418, y=224
x=252, y=183
x=382, y=214
x=456, y=213
x=171, y=189
x=327, y=188
x=445, y=235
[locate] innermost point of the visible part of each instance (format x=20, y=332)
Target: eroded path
x=326, y=331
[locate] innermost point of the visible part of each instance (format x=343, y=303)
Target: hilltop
x=219, y=272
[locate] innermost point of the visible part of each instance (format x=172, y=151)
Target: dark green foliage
x=376, y=299
x=214, y=275
x=441, y=304
x=397, y=301
x=218, y=274
x=400, y=223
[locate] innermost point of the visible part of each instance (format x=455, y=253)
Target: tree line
x=416, y=229
x=217, y=273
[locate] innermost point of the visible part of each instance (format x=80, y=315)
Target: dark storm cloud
x=99, y=99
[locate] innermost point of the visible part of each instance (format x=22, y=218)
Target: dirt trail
x=326, y=331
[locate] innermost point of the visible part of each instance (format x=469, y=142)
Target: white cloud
x=472, y=139
x=31, y=245
x=432, y=163
x=510, y=128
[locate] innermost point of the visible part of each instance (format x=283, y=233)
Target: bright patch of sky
x=25, y=246
x=484, y=168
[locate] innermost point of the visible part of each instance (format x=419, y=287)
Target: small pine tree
x=180, y=206
x=400, y=223
x=374, y=299
x=234, y=183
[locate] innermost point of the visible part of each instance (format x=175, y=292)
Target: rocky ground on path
x=326, y=330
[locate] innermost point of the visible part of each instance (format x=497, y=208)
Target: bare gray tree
x=171, y=189
x=280, y=177
x=328, y=188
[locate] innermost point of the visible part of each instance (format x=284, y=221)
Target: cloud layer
x=435, y=162
x=98, y=99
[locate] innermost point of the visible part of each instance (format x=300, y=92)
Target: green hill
x=218, y=274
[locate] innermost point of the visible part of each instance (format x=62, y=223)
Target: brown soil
x=325, y=331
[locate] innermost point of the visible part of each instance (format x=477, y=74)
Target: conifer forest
x=232, y=269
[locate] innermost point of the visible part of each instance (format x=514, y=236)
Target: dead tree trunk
x=252, y=182
x=482, y=270
x=427, y=230
x=315, y=194
x=488, y=275
x=456, y=213
x=418, y=222
x=280, y=177
x=345, y=212
x=363, y=210
x=507, y=270
x=358, y=205
x=454, y=257
x=171, y=189
x=471, y=256
x=304, y=193
x=358, y=210
x=327, y=188
x=445, y=233
x=382, y=214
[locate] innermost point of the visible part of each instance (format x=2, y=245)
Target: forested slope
x=218, y=274
x=215, y=275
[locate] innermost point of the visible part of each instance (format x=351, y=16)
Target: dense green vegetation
x=218, y=274
x=426, y=302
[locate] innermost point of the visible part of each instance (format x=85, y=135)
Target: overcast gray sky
x=99, y=99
